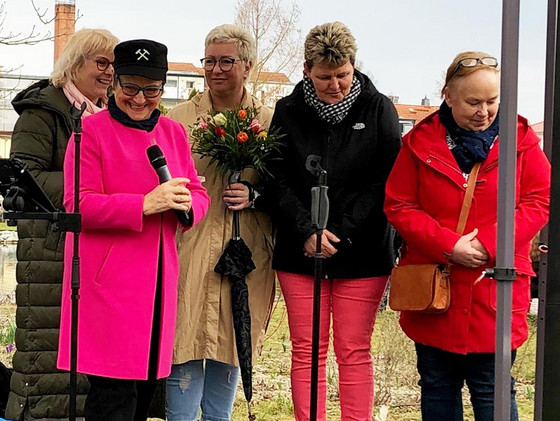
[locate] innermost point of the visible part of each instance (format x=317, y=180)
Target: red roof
x=415, y=112
x=266, y=77
x=185, y=67
x=271, y=77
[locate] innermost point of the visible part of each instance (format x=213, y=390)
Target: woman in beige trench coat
x=205, y=370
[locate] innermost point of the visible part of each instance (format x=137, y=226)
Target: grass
x=396, y=389
x=8, y=335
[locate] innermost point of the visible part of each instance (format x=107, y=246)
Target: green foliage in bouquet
x=234, y=140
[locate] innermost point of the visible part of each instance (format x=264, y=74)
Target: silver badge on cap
x=142, y=54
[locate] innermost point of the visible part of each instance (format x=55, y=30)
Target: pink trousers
x=353, y=304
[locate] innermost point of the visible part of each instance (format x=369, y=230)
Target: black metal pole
x=316, y=326
x=504, y=273
x=551, y=43
x=319, y=217
x=76, y=115
x=547, y=404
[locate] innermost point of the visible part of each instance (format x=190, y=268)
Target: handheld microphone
x=155, y=155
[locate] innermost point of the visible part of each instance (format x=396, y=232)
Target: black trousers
x=118, y=400
x=112, y=399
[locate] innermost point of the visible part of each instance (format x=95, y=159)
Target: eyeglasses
x=131, y=89
x=102, y=63
x=225, y=63
x=473, y=61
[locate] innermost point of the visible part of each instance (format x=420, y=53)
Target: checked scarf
x=331, y=113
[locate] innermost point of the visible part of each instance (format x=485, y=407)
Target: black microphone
x=155, y=155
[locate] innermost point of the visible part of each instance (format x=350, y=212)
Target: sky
x=406, y=45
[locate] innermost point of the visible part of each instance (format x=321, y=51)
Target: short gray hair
x=79, y=47
x=234, y=34
x=331, y=43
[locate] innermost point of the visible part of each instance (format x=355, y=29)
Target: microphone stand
x=76, y=115
x=319, y=217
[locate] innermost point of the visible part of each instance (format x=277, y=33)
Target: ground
x=396, y=390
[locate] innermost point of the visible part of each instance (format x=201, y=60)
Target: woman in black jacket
x=337, y=114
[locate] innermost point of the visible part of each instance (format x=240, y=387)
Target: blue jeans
x=442, y=375
x=201, y=384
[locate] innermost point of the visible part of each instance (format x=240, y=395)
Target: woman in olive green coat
x=82, y=74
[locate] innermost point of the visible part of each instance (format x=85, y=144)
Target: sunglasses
x=131, y=89
x=472, y=62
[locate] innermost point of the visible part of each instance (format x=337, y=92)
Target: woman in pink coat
x=129, y=269
x=424, y=195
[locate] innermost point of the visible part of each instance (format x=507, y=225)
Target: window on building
x=405, y=126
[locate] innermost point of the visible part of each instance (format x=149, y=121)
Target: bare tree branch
x=41, y=14
x=32, y=37
x=278, y=39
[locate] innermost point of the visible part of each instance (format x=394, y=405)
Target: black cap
x=141, y=57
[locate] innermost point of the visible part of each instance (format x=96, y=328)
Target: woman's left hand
x=236, y=196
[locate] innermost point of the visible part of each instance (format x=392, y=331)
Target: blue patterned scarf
x=470, y=147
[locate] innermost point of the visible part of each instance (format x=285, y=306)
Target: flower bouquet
x=234, y=140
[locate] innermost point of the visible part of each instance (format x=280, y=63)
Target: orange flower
x=242, y=137
x=242, y=114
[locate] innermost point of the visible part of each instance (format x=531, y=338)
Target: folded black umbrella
x=236, y=262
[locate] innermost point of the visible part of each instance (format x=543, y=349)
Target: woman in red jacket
x=424, y=195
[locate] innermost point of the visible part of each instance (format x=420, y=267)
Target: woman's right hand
x=469, y=252
x=170, y=195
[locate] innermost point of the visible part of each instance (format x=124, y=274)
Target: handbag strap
x=468, y=199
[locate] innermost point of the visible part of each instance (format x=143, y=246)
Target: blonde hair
x=80, y=46
x=330, y=43
x=234, y=34
x=455, y=71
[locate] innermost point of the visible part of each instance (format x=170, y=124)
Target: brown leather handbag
x=425, y=287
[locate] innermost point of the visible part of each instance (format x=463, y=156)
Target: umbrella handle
x=235, y=177
x=236, y=229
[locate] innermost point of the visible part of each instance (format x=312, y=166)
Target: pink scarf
x=76, y=98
